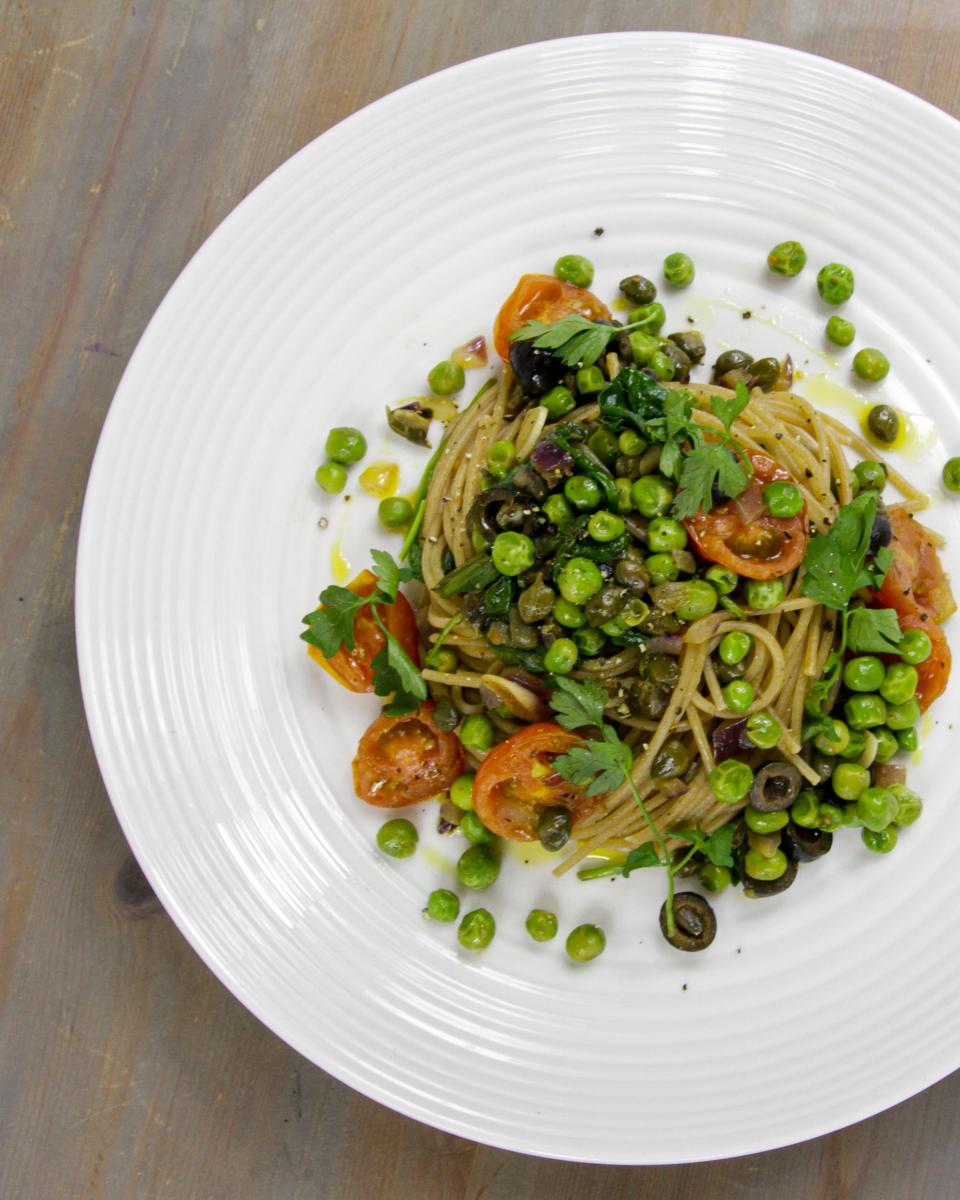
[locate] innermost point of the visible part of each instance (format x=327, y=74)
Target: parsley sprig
x=724, y=463
x=575, y=340
x=600, y=764
x=334, y=625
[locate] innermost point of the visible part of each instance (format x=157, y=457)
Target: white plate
x=329, y=292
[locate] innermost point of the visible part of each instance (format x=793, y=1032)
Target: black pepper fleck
x=746, y=314
x=598, y=232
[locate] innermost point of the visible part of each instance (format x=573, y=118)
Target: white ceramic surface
x=330, y=291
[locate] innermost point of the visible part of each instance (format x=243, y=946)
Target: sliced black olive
x=776, y=786
x=691, y=343
x=882, y=532
x=805, y=844
x=731, y=360
x=639, y=289
x=537, y=370
x=553, y=828
x=526, y=479
x=695, y=923
x=759, y=889
x=823, y=764
x=690, y=867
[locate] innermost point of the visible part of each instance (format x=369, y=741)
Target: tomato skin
x=542, y=298
x=720, y=535
x=509, y=797
x=351, y=668
x=403, y=760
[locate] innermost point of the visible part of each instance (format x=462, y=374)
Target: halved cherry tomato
x=403, y=760
x=916, y=581
x=352, y=667
x=542, y=298
x=516, y=782
x=917, y=589
x=742, y=535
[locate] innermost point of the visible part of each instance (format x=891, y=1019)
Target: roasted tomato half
x=352, y=667
x=917, y=589
x=542, y=298
x=742, y=535
x=403, y=760
x=517, y=781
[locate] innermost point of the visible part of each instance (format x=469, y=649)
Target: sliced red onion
x=551, y=460
x=729, y=739
x=665, y=643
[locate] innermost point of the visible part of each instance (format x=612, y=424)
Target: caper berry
x=639, y=289
x=731, y=360
x=884, y=423
x=691, y=342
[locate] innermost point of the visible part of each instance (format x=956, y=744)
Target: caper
x=679, y=358
x=521, y=634
x=639, y=289
x=605, y=605
x=727, y=672
x=662, y=668
x=649, y=460
x=631, y=572
x=691, y=343
x=730, y=360
x=626, y=466
x=671, y=761
x=536, y=602
x=446, y=715
x=553, y=828
x=884, y=423
x=648, y=699
x=764, y=372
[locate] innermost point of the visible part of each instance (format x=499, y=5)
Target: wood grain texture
x=129, y=130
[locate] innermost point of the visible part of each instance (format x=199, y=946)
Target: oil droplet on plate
x=529, y=854
x=917, y=433
x=380, y=480
x=340, y=568
x=433, y=858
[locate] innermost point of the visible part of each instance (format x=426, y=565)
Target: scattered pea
x=849, y=780
x=836, y=741
x=444, y=660
x=500, y=458
x=902, y=716
x=840, y=332
x=582, y=492
x=915, y=646
x=332, y=477
x=476, y=732
x=446, y=378
x=442, y=905
x=805, y=810
x=714, y=878
x=899, y=683
x=590, y=380
x=734, y=646
x=909, y=804
x=678, y=269
x=474, y=830
x=763, y=730
x=871, y=476
x=664, y=533
x=651, y=316
x=951, y=474
x=662, y=568
x=345, y=445
x=585, y=942
x=876, y=808
x=461, y=791
x=541, y=925
x=398, y=838
x=765, y=822
x=764, y=594
x=478, y=867
x=631, y=443
x=395, y=512
x=863, y=674
x=881, y=842
x=575, y=269
x=643, y=346
x=871, y=364
x=758, y=866
x=782, y=499
x=730, y=781
x=865, y=711
x=738, y=695
x=477, y=929
x=887, y=744
x=787, y=258
x=835, y=283
x=907, y=740
x=558, y=511
x=699, y=600
x=722, y=579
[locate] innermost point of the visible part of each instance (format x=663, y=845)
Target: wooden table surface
x=129, y=130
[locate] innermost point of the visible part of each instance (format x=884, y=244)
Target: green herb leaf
x=389, y=573
x=578, y=704
x=643, y=856
x=873, y=631
x=717, y=846
x=330, y=627
x=442, y=636
x=728, y=408
x=834, y=562
x=597, y=767
x=575, y=340
x=881, y=564
x=702, y=468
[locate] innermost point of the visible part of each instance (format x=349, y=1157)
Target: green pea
x=474, y=830
x=863, y=674
x=476, y=732
x=902, y=716
x=915, y=646
x=730, y=781
x=478, y=867
x=787, y=258
x=909, y=804
x=624, y=494
x=512, y=553
x=461, y=790
x=605, y=526
x=678, y=269
x=477, y=929
x=734, y=646
x=652, y=495
x=758, y=866
x=876, y=808
x=442, y=905
x=590, y=641
x=444, y=660
x=541, y=925
x=951, y=474
x=582, y=492
x=871, y=364
x=662, y=365
x=865, y=711
x=764, y=594
x=345, y=445
x=651, y=316
x=579, y=579
x=590, y=380
x=738, y=695
x=850, y=818
x=714, y=878
x=907, y=740
x=899, y=683
x=840, y=332
x=831, y=816
x=849, y=780
x=395, y=512
x=871, y=476
x=699, y=600
x=857, y=745
x=561, y=657
x=332, y=477
x=663, y=533
x=446, y=378
x=643, y=346
x=722, y=580
x=763, y=730
x=886, y=744
x=558, y=510
x=398, y=838
x=571, y=616
x=881, y=842
x=662, y=568
x=782, y=499
x=585, y=942
x=631, y=443
x=500, y=458
x=575, y=269
x=765, y=822
x=835, y=742
x=883, y=423
x=605, y=445
x=558, y=401
x=835, y=283
x=805, y=810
